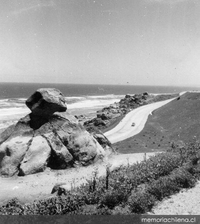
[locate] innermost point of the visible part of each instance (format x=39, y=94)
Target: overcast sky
x=145, y=42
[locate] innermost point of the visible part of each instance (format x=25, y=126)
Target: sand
x=40, y=185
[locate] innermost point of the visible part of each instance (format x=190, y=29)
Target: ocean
x=81, y=99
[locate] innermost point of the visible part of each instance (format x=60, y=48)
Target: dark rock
x=60, y=157
x=102, y=140
x=103, y=116
x=45, y=102
x=57, y=187
x=63, y=189
x=145, y=94
x=81, y=118
x=98, y=122
x=127, y=96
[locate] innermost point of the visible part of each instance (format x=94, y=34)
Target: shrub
x=121, y=210
x=186, y=152
x=54, y=206
x=182, y=178
x=113, y=198
x=12, y=207
x=160, y=165
x=162, y=187
x=141, y=202
x=167, y=185
x=87, y=210
x=134, y=188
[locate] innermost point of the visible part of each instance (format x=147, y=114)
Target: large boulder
x=60, y=188
x=36, y=142
x=44, y=102
x=36, y=157
x=12, y=153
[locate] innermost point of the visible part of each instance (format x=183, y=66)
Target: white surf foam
x=91, y=103
x=11, y=110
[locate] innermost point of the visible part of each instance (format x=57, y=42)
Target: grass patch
x=126, y=190
x=175, y=121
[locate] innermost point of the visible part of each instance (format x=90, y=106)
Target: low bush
x=12, y=207
x=51, y=206
x=141, y=202
x=135, y=188
x=167, y=185
x=182, y=177
x=113, y=198
x=160, y=165
x=189, y=152
x=162, y=187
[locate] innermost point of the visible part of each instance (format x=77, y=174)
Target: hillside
x=178, y=120
x=108, y=117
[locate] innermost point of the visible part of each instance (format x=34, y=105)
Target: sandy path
x=139, y=116
x=39, y=185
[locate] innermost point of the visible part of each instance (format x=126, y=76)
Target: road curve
x=139, y=116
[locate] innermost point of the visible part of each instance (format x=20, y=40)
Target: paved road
x=138, y=116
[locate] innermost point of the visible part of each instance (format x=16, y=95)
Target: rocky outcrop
x=61, y=189
x=111, y=114
x=44, y=102
x=47, y=138
x=133, y=101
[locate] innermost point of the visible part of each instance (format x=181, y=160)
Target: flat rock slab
x=36, y=157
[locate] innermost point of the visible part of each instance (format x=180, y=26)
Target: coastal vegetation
x=177, y=121
x=133, y=189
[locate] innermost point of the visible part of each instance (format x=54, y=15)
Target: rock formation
x=48, y=136
x=111, y=114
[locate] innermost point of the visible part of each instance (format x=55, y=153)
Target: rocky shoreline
x=110, y=116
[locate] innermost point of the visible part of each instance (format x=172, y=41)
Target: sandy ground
x=40, y=185
x=137, y=116
x=186, y=202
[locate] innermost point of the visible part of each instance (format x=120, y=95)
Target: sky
x=132, y=42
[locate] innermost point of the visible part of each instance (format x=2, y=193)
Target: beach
x=81, y=99
x=14, y=109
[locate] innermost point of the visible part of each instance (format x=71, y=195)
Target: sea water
x=81, y=99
